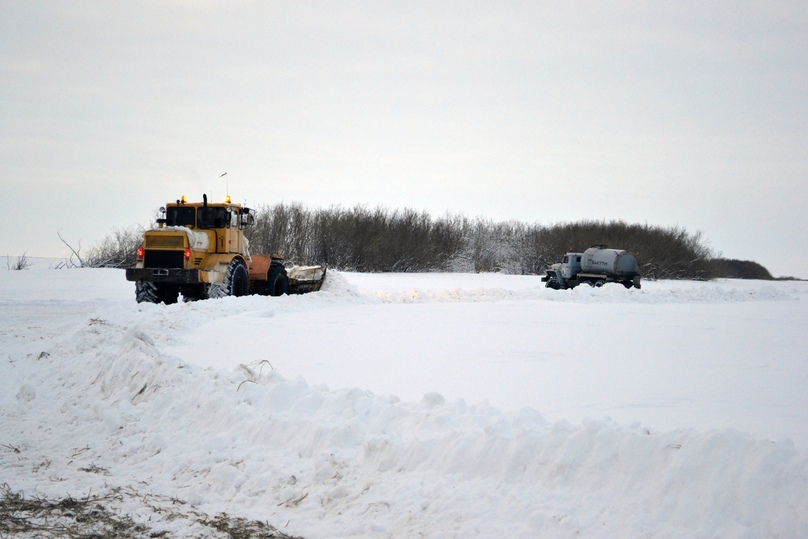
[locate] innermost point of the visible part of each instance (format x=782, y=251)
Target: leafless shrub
x=118, y=250
x=74, y=253
x=380, y=240
x=360, y=239
x=22, y=263
x=736, y=269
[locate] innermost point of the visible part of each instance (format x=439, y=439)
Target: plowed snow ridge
x=98, y=392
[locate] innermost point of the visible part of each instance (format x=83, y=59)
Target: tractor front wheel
x=236, y=282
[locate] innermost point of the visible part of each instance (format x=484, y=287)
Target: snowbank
x=94, y=396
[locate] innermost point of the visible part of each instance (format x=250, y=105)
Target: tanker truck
x=596, y=266
x=199, y=250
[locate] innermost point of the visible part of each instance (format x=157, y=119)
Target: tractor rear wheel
x=277, y=281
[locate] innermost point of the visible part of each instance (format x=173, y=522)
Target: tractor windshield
x=181, y=216
x=204, y=217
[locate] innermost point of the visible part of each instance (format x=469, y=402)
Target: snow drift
x=99, y=393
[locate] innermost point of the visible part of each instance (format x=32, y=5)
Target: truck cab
x=570, y=265
x=560, y=274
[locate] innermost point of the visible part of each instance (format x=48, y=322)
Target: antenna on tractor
x=226, y=187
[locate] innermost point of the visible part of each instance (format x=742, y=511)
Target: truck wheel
x=277, y=281
x=146, y=292
x=236, y=282
x=552, y=283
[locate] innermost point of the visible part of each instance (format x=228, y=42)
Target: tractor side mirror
x=162, y=220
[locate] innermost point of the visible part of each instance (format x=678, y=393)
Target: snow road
x=674, y=355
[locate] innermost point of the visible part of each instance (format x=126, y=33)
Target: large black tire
x=239, y=281
x=552, y=283
x=146, y=292
x=236, y=282
x=277, y=281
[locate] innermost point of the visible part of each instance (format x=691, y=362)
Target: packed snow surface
x=436, y=405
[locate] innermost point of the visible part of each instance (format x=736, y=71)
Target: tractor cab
x=205, y=216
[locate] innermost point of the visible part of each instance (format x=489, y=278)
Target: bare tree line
x=383, y=240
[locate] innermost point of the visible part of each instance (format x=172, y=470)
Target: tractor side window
x=180, y=216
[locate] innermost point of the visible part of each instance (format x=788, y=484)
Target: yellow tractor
x=199, y=250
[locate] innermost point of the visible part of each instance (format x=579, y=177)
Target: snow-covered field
x=437, y=405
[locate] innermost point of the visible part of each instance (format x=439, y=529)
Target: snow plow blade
x=303, y=279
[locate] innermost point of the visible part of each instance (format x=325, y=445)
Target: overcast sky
x=668, y=113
